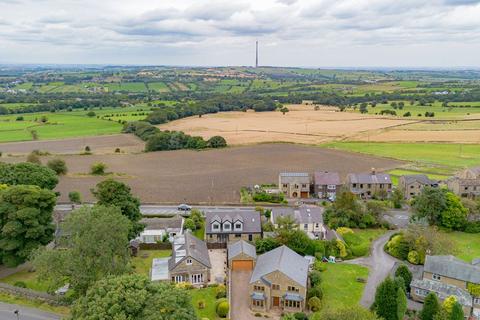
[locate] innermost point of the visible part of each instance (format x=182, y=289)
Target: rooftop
x=327, y=178
x=444, y=290
x=451, y=267
x=241, y=247
x=250, y=218
x=369, y=178
x=421, y=178
x=302, y=215
x=187, y=245
x=159, y=270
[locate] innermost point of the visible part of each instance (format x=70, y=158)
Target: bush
x=217, y=142
x=87, y=149
x=98, y=168
x=220, y=292
x=20, y=284
x=91, y=114
x=222, y=309
x=473, y=227
x=57, y=165
x=314, y=303
x=360, y=250
x=315, y=278
x=315, y=292
x=201, y=304
x=33, y=158
x=217, y=303
x=117, y=150
x=413, y=257
x=75, y=197
x=189, y=224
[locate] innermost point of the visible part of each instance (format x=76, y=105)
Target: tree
x=386, y=300
x=94, y=246
x=363, y=107
x=217, y=142
x=455, y=214
x=197, y=218
x=28, y=174
x=286, y=222
x=457, y=312
x=397, y=198
x=350, y=313
x=430, y=307
x=75, y=197
x=98, y=169
x=404, y=273
x=58, y=165
x=284, y=110
x=222, y=309
x=189, y=224
x=115, y=193
x=91, y=114
x=401, y=301
x=429, y=204
x=25, y=222
x=448, y=304
x=263, y=245
x=133, y=297
x=314, y=303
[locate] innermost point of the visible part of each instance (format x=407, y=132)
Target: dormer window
x=216, y=226
x=227, y=226
x=238, y=226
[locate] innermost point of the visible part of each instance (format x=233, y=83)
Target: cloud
x=221, y=32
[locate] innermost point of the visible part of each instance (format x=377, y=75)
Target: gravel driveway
x=239, y=295
x=218, y=259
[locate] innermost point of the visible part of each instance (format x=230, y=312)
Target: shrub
x=75, y=197
x=413, y=257
x=473, y=227
x=20, y=284
x=33, y=158
x=189, y=224
x=315, y=292
x=117, y=150
x=217, y=142
x=98, y=168
x=315, y=278
x=57, y=165
x=300, y=316
x=360, y=250
x=314, y=303
x=91, y=114
x=222, y=309
x=344, y=230
x=220, y=292
x=201, y=304
x=87, y=149
x=217, y=303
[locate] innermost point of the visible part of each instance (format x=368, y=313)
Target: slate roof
x=162, y=223
x=327, y=178
x=369, y=178
x=421, y=178
x=288, y=177
x=449, y=266
x=444, y=290
x=241, y=247
x=250, y=218
x=294, y=174
x=301, y=215
x=475, y=170
x=281, y=259
x=187, y=245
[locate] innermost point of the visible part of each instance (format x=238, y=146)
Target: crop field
x=202, y=176
x=301, y=125
x=158, y=86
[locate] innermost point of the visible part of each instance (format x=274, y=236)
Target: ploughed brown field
x=99, y=144
x=211, y=176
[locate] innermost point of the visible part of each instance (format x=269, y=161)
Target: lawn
x=207, y=295
x=369, y=235
x=361, y=241
x=143, y=261
x=450, y=155
x=200, y=233
x=62, y=310
x=340, y=286
x=395, y=174
x=29, y=278
x=467, y=245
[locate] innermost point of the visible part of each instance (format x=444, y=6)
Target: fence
x=30, y=294
x=215, y=245
x=156, y=246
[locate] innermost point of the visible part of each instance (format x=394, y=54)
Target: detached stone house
x=294, y=184
x=279, y=281
x=412, y=185
x=466, y=183
x=225, y=227
x=308, y=219
x=448, y=276
x=190, y=262
x=327, y=184
x=158, y=228
x=366, y=185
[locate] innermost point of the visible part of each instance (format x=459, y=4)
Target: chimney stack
x=373, y=172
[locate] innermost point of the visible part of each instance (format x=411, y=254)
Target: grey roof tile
x=451, y=267
x=239, y=247
x=251, y=221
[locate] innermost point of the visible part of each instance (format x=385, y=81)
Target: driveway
x=24, y=313
x=398, y=217
x=239, y=298
x=380, y=265
x=218, y=259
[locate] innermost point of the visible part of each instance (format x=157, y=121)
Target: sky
x=301, y=33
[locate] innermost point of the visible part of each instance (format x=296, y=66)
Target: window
x=211, y=236
x=275, y=287
x=285, y=185
x=189, y=261
x=177, y=279
x=317, y=225
x=354, y=185
x=436, y=277
x=421, y=292
x=466, y=188
x=238, y=235
x=238, y=226
x=476, y=300
x=361, y=185
x=258, y=288
x=227, y=226
x=296, y=186
x=369, y=185
x=331, y=187
x=216, y=226
x=197, y=278
x=250, y=237
x=292, y=288
x=411, y=187
x=304, y=185
x=292, y=304
x=257, y=303
x=381, y=185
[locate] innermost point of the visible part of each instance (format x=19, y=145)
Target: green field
x=397, y=173
x=208, y=296
x=467, y=245
x=158, y=86
x=29, y=278
x=340, y=286
x=427, y=154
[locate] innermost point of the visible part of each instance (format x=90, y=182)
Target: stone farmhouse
x=448, y=276
x=308, y=219
x=466, y=183
x=295, y=184
x=326, y=184
x=366, y=185
x=412, y=185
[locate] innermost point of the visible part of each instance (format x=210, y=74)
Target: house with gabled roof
x=327, y=184
x=308, y=219
x=229, y=226
x=279, y=281
x=294, y=184
x=367, y=185
x=241, y=255
x=190, y=261
x=466, y=183
x=448, y=276
x=412, y=185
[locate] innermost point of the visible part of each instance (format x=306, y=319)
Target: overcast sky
x=328, y=33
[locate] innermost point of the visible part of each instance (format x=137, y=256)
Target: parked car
x=184, y=207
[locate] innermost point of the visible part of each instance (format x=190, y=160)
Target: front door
x=276, y=301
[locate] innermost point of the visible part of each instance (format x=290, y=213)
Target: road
x=160, y=210
x=380, y=264
x=24, y=313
